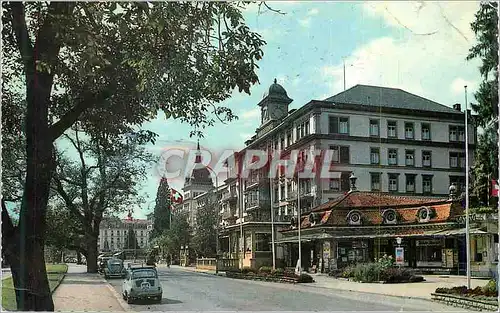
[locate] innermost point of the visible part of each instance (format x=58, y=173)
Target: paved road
x=189, y=291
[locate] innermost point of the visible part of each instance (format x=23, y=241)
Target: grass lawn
x=55, y=274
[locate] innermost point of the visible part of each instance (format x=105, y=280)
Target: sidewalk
x=420, y=290
x=80, y=291
x=192, y=269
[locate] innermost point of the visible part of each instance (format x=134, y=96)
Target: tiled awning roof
x=374, y=233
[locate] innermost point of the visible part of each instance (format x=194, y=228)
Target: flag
x=175, y=196
x=494, y=188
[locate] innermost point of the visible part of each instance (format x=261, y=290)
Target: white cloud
x=313, y=11
x=246, y=136
x=457, y=86
x=305, y=22
x=251, y=114
x=421, y=64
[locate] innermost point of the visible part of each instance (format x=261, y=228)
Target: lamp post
x=467, y=226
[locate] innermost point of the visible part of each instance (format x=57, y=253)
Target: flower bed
x=266, y=273
x=487, y=292
x=382, y=270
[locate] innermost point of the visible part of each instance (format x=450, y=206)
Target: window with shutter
x=333, y=123
x=344, y=155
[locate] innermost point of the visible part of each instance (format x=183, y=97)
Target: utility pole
x=467, y=226
x=343, y=60
x=271, y=191
x=299, y=215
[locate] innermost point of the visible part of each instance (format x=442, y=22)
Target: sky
x=419, y=47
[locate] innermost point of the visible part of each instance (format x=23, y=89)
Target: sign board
x=400, y=256
x=429, y=243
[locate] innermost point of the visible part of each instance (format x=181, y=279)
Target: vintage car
x=114, y=268
x=141, y=282
x=102, y=263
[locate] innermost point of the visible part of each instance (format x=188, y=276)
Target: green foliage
x=369, y=272
x=386, y=261
x=205, y=234
x=490, y=288
x=131, y=239
x=265, y=269
x=178, y=235
x=349, y=272
x=278, y=272
x=485, y=26
x=162, y=209
x=485, y=165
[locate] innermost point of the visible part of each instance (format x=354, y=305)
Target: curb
x=58, y=284
x=125, y=306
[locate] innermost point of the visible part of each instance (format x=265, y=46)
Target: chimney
x=353, y=179
x=458, y=107
x=453, y=191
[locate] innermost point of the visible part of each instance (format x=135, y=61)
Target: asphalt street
x=191, y=291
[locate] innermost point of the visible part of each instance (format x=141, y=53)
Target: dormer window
x=390, y=216
x=314, y=218
x=424, y=215
x=354, y=218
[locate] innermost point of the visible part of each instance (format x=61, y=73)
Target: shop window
x=429, y=254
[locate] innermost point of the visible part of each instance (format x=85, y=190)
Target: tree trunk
x=78, y=258
x=91, y=247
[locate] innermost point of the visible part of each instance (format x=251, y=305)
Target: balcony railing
x=228, y=196
x=282, y=218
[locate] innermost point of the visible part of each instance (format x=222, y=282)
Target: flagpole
x=467, y=223
x=271, y=191
x=298, y=213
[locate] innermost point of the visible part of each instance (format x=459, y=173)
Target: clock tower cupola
x=274, y=104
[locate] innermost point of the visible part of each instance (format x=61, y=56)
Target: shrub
x=416, y=279
x=395, y=275
x=348, y=272
x=265, y=269
x=278, y=272
x=386, y=261
x=490, y=289
x=305, y=278
x=247, y=270
x=369, y=272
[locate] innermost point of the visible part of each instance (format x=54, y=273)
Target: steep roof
x=388, y=98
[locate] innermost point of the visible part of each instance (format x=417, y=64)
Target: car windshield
x=143, y=274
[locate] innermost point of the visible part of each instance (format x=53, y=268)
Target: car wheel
x=158, y=299
x=129, y=300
